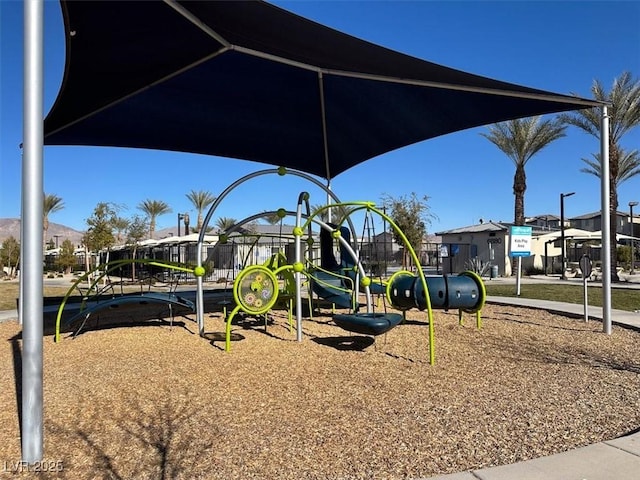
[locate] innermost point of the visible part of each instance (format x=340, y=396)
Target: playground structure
x=96, y=298
x=256, y=288
x=333, y=272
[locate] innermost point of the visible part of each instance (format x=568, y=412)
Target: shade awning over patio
x=248, y=80
x=579, y=235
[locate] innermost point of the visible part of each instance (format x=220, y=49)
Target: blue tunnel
x=463, y=292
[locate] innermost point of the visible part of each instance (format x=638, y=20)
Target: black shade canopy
x=248, y=80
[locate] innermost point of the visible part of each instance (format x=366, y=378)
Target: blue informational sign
x=520, y=241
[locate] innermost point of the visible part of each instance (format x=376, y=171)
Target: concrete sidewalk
x=617, y=459
x=6, y=315
x=618, y=317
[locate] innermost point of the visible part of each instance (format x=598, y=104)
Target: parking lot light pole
x=562, y=246
x=180, y=218
x=633, y=256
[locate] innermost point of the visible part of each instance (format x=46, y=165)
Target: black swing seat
x=368, y=323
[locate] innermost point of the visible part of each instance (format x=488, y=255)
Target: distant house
x=430, y=251
x=490, y=244
x=545, y=222
x=592, y=222
x=487, y=241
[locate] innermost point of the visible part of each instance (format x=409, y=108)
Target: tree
x=153, y=209
x=99, y=235
x=520, y=140
x=323, y=215
x=52, y=203
x=10, y=255
x=224, y=223
x=412, y=215
x=120, y=227
x=337, y=213
x=628, y=166
x=136, y=230
x=624, y=115
x=200, y=199
x=67, y=258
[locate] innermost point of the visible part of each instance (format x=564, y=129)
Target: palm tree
x=628, y=166
x=52, y=203
x=338, y=213
x=153, y=209
x=120, y=226
x=624, y=115
x=520, y=140
x=224, y=223
x=200, y=199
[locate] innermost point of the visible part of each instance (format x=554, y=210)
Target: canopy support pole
x=32, y=210
x=606, y=221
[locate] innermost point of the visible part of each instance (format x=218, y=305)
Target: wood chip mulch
x=149, y=402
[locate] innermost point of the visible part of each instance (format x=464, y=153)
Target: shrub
x=534, y=271
x=477, y=266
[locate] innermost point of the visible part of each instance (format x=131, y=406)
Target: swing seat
x=368, y=323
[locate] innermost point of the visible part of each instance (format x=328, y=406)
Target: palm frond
x=628, y=165
x=624, y=109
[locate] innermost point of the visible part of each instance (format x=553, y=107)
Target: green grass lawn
x=621, y=298
x=9, y=294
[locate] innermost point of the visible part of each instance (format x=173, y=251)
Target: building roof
x=579, y=235
x=546, y=217
x=481, y=227
x=596, y=214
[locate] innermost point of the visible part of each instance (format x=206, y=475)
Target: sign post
x=585, y=268
x=520, y=247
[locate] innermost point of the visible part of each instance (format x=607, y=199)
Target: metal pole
x=32, y=226
x=297, y=276
x=518, y=276
x=606, y=221
x=585, y=298
x=633, y=256
x=562, y=240
x=545, y=258
x=562, y=264
x=180, y=217
x=384, y=232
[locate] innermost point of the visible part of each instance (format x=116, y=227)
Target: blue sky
x=560, y=46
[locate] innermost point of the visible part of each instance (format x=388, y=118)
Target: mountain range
x=10, y=227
